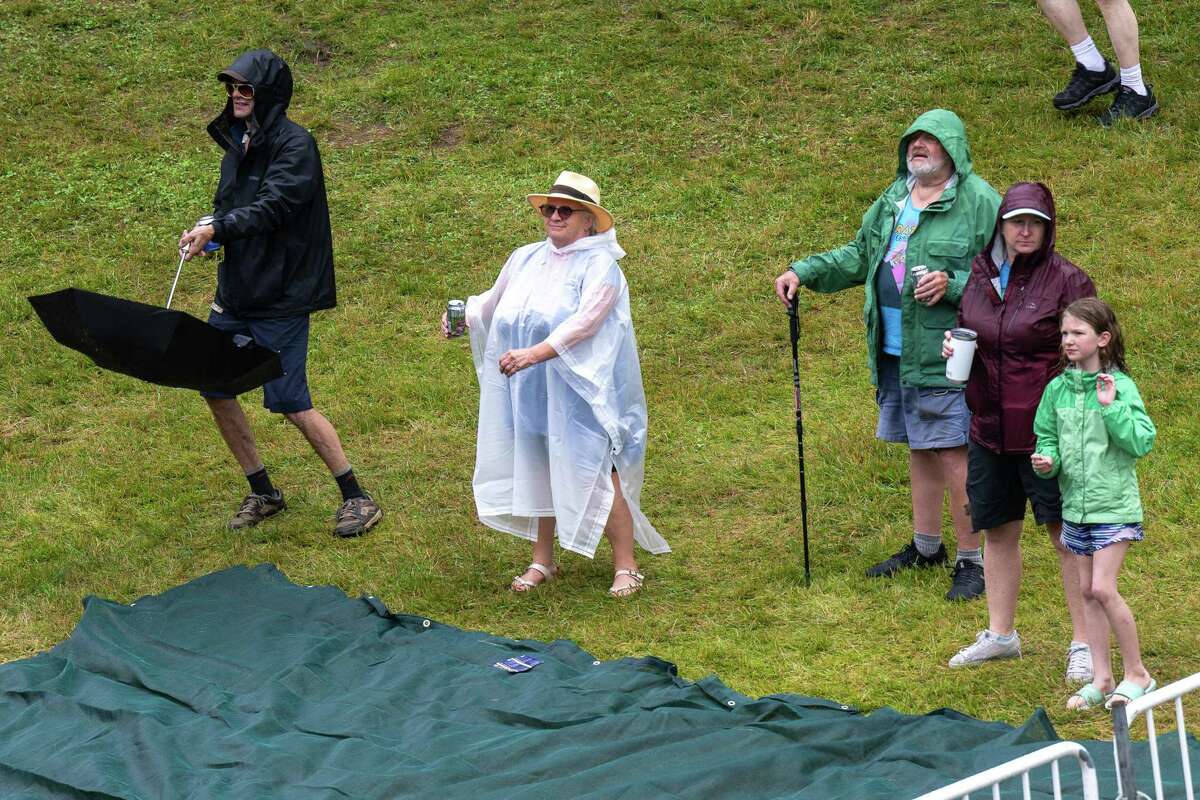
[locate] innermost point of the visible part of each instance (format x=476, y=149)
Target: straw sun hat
x=581, y=189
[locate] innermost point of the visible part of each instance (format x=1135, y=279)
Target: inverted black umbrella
x=155, y=344
x=794, y=328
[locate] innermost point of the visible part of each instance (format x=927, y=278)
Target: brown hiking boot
x=255, y=508
x=356, y=516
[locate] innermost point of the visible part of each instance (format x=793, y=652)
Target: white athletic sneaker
x=986, y=647
x=1079, y=663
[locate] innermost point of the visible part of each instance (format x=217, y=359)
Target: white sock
x=1132, y=77
x=1088, y=54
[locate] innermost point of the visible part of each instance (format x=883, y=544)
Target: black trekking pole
x=794, y=326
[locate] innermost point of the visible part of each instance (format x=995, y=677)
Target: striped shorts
x=1083, y=539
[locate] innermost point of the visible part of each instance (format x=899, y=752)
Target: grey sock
x=927, y=545
x=1005, y=639
x=974, y=556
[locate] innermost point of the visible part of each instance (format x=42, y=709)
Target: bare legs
x=619, y=531
x=1107, y=611
x=1119, y=18
x=933, y=473
x=235, y=430
x=323, y=438
x=1002, y=574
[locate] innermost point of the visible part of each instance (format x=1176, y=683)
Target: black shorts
x=287, y=336
x=998, y=486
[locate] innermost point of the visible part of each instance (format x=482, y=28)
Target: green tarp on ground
x=241, y=684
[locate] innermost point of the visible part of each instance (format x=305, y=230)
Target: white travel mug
x=958, y=366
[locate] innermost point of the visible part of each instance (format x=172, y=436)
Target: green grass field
x=728, y=138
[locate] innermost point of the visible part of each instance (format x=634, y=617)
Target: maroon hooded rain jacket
x=1018, y=347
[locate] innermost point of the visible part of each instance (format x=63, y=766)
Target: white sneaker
x=986, y=647
x=1079, y=663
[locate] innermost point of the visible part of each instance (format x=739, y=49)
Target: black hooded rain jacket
x=270, y=210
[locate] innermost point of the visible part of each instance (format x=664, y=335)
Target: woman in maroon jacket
x=1013, y=299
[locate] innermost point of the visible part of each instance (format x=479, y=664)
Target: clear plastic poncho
x=550, y=435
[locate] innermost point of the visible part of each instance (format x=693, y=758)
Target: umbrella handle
x=183, y=251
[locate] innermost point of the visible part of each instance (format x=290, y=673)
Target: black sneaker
x=1086, y=85
x=907, y=558
x=967, y=581
x=1129, y=105
x=356, y=516
x=257, y=507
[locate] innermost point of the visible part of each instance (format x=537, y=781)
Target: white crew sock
x=1132, y=77
x=1088, y=54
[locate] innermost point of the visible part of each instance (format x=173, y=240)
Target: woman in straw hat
x=562, y=415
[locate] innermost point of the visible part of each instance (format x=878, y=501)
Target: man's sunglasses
x=245, y=90
x=564, y=212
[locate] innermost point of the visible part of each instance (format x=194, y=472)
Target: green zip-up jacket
x=949, y=233
x=1094, y=447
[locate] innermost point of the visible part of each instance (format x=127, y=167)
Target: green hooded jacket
x=949, y=234
x=1094, y=447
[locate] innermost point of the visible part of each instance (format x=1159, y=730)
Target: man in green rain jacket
x=933, y=219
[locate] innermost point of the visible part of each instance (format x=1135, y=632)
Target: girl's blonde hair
x=1099, y=315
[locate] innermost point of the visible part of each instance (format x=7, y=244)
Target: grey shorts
x=924, y=419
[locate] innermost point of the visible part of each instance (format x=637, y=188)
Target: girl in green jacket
x=1091, y=426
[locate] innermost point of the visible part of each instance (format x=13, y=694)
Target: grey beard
x=931, y=167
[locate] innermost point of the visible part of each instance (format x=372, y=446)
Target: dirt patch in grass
x=449, y=137
x=350, y=135
x=315, y=51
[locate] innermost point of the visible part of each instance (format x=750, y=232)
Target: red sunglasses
x=245, y=90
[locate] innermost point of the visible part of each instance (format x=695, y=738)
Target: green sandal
x=1127, y=692
x=1091, y=697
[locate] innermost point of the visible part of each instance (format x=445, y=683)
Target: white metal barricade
x=1022, y=766
x=1146, y=704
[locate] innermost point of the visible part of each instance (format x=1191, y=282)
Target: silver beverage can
x=456, y=317
x=211, y=247
x=918, y=272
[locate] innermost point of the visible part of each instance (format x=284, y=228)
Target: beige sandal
x=523, y=584
x=631, y=589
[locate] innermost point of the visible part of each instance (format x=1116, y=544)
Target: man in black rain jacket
x=271, y=216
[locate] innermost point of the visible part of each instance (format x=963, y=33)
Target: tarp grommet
x=425, y=623
x=731, y=703
x=595, y=663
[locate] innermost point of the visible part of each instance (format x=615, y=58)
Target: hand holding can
x=210, y=246
x=455, y=319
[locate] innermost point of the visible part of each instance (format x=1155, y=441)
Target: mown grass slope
x=728, y=138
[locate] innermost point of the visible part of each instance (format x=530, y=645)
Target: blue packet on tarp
x=518, y=664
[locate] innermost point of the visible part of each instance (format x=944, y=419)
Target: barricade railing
x=1146, y=705
x=1021, y=767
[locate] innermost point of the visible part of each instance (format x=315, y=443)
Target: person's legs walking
x=1134, y=99
x=1093, y=75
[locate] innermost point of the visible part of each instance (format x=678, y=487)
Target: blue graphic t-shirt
x=889, y=280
